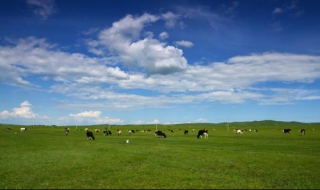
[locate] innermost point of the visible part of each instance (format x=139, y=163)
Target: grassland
x=43, y=157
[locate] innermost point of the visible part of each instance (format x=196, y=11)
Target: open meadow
x=43, y=157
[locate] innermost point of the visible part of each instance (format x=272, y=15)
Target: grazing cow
x=186, y=132
x=119, y=132
x=66, y=131
x=97, y=130
x=107, y=132
x=23, y=129
x=201, y=133
x=89, y=135
x=131, y=131
x=160, y=133
x=171, y=130
x=303, y=131
x=239, y=131
x=8, y=129
x=286, y=131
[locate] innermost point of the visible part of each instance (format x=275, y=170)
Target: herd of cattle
x=203, y=133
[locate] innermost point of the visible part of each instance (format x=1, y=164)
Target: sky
x=81, y=62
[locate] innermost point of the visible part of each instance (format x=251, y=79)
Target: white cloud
x=171, y=19
x=83, y=77
x=123, y=39
x=163, y=35
x=184, y=43
x=43, y=8
x=24, y=111
x=86, y=114
x=275, y=67
x=35, y=57
x=89, y=117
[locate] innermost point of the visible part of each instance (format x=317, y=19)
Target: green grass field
x=44, y=158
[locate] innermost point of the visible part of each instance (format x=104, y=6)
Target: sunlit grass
x=44, y=158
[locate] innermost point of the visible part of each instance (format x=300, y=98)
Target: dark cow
x=171, y=130
x=107, y=132
x=286, y=131
x=160, y=133
x=186, y=132
x=303, y=131
x=90, y=135
x=201, y=133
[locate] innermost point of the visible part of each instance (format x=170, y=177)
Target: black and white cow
x=107, y=132
x=201, y=133
x=66, y=131
x=90, y=135
x=160, y=133
x=186, y=132
x=286, y=131
x=131, y=131
x=171, y=130
x=238, y=131
x=303, y=131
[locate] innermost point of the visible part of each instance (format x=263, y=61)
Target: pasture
x=43, y=157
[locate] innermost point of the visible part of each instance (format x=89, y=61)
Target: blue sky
x=80, y=62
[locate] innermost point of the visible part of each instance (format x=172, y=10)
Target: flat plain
x=43, y=157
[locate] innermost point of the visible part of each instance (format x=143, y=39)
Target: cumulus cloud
x=124, y=40
x=43, y=8
x=24, y=111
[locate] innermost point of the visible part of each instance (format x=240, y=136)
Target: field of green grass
x=43, y=157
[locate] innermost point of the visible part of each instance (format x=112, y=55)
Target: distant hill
x=262, y=123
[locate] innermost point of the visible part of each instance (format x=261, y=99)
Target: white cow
x=23, y=129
